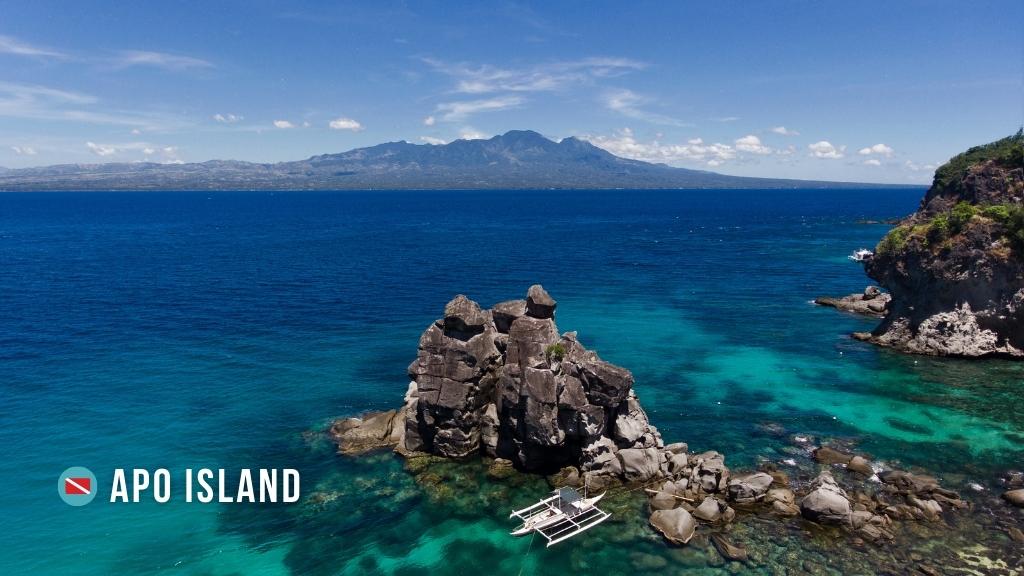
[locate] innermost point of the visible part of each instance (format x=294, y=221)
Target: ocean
x=225, y=330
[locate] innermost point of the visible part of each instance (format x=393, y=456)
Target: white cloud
x=825, y=149
x=914, y=167
x=630, y=104
x=880, y=149
x=149, y=152
x=130, y=58
x=469, y=133
x=551, y=76
x=785, y=131
x=752, y=144
x=726, y=118
x=284, y=124
x=872, y=162
x=625, y=144
x=228, y=118
x=9, y=45
x=432, y=140
x=101, y=150
x=429, y=121
x=345, y=124
x=456, y=111
x=24, y=150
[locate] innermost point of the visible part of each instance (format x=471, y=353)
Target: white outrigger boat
x=861, y=255
x=560, y=516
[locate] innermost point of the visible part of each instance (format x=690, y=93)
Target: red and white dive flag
x=77, y=486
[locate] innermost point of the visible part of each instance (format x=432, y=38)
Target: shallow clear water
x=184, y=330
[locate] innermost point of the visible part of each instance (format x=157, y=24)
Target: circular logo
x=77, y=486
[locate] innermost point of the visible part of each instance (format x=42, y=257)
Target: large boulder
x=749, y=488
x=676, y=525
x=827, y=503
x=539, y=303
x=372, y=431
x=640, y=464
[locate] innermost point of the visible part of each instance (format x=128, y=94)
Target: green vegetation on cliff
x=1007, y=153
x=997, y=207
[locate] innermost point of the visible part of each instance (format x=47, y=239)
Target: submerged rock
x=728, y=550
x=1015, y=497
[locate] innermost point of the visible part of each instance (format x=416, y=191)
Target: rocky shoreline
x=871, y=302
x=955, y=267
x=503, y=385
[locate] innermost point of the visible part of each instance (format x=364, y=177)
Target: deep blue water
x=184, y=330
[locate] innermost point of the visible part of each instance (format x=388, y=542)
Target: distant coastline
x=516, y=160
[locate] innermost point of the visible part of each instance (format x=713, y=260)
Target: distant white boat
x=861, y=255
x=560, y=516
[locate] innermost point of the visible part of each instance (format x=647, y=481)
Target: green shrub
x=555, y=351
x=894, y=241
x=959, y=216
x=1015, y=229
x=999, y=212
x=938, y=229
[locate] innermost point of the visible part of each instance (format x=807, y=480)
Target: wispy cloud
x=100, y=149
x=915, y=167
x=433, y=140
x=10, y=45
x=826, y=150
x=458, y=111
x=872, y=162
x=429, y=121
x=345, y=124
x=36, y=102
x=283, y=124
x=163, y=60
x=24, y=150
x=782, y=130
x=632, y=105
x=228, y=118
x=546, y=77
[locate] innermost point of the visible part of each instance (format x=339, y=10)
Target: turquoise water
x=195, y=330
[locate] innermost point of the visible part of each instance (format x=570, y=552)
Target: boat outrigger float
x=560, y=516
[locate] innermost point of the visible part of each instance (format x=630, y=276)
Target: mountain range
x=516, y=159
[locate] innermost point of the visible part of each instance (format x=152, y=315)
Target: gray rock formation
x=871, y=302
x=503, y=383
x=827, y=503
x=676, y=525
x=955, y=268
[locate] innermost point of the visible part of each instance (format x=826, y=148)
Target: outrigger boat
x=560, y=516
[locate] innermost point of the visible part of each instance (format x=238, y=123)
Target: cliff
x=955, y=268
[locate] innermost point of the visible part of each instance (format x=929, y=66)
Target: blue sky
x=866, y=91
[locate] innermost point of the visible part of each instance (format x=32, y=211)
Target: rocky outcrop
x=504, y=383
x=871, y=302
x=955, y=268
